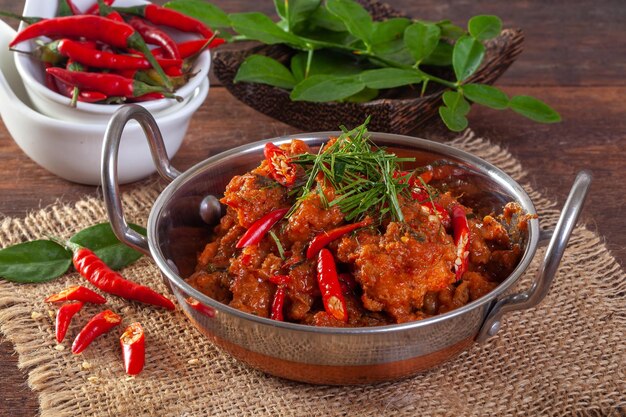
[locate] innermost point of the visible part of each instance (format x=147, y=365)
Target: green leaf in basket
x=421, y=39
x=390, y=77
x=453, y=120
x=467, y=56
x=534, y=109
x=363, y=96
x=389, y=30
x=484, y=27
x=357, y=20
x=103, y=242
x=441, y=56
x=296, y=12
x=265, y=70
x=320, y=88
x=486, y=95
x=454, y=112
x=449, y=30
x=257, y=26
x=36, y=261
x=323, y=19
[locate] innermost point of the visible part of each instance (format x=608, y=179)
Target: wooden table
x=573, y=59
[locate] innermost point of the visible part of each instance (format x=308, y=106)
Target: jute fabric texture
x=566, y=356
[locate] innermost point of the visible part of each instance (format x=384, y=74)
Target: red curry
x=344, y=237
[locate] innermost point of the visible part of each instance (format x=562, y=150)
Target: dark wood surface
x=573, y=58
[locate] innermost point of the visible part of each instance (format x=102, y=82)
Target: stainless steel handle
x=551, y=260
x=110, y=186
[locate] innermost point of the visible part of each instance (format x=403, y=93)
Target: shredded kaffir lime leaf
x=361, y=173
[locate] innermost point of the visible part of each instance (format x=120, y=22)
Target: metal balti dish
x=181, y=222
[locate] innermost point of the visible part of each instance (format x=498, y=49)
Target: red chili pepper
x=436, y=208
x=168, y=17
x=416, y=182
x=324, y=238
x=98, y=325
x=328, y=281
x=94, y=270
x=199, y=307
x=278, y=304
x=90, y=57
x=74, y=92
x=77, y=293
x=154, y=36
x=280, y=279
x=148, y=97
x=109, y=84
x=90, y=27
x=115, y=16
x=133, y=342
x=64, y=317
x=191, y=48
x=461, y=240
x=50, y=80
x=259, y=228
x=281, y=169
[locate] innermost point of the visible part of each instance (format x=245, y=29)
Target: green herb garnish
x=363, y=175
x=281, y=250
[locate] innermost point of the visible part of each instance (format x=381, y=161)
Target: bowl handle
x=110, y=186
x=551, y=260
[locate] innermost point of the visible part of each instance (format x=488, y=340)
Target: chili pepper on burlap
x=324, y=238
x=133, y=343
x=155, y=36
x=99, y=324
x=90, y=27
x=94, y=270
x=461, y=240
x=64, y=317
x=109, y=84
x=281, y=167
x=168, y=17
x=77, y=293
x=259, y=228
x=328, y=281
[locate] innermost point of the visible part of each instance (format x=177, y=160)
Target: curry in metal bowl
x=351, y=236
x=355, y=236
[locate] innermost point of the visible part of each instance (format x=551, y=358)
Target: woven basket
x=389, y=114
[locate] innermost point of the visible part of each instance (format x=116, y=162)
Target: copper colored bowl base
x=336, y=375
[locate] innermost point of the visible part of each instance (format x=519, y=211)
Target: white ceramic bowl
x=56, y=105
x=72, y=150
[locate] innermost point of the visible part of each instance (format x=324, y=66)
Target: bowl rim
x=492, y=172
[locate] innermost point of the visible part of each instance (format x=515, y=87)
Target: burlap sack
x=566, y=356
